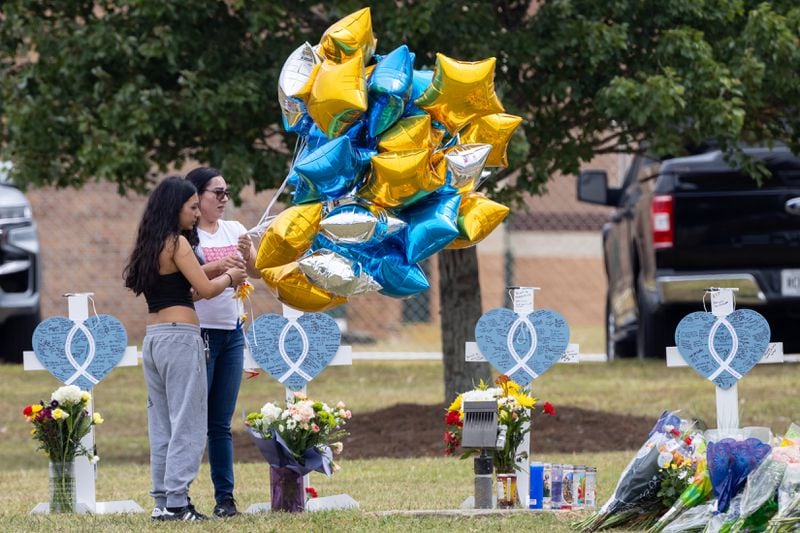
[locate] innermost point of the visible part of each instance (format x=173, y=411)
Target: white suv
x=20, y=267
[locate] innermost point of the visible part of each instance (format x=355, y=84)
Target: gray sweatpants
x=177, y=406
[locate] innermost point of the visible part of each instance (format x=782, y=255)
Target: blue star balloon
x=431, y=225
x=389, y=89
x=331, y=169
x=420, y=81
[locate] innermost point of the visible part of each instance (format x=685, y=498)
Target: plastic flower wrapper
x=277, y=453
x=636, y=493
x=730, y=461
x=788, y=516
x=760, y=488
x=720, y=521
x=693, y=519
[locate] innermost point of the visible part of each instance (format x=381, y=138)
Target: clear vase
x=63, y=496
x=286, y=490
x=506, y=490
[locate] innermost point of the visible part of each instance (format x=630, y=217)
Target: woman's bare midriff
x=175, y=313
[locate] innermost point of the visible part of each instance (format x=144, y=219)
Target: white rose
x=69, y=394
x=271, y=413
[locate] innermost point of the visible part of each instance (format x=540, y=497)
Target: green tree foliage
x=121, y=90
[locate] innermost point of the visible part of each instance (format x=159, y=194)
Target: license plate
x=790, y=282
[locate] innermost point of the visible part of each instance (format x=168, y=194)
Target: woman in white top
x=223, y=244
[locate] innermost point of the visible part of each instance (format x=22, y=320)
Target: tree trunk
x=460, y=299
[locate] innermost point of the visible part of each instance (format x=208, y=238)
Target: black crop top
x=171, y=289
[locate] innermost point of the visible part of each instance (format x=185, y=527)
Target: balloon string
x=259, y=229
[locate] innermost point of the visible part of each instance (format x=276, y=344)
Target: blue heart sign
x=723, y=349
x=80, y=354
x=293, y=350
x=522, y=347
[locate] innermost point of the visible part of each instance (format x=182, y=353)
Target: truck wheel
x=17, y=336
x=617, y=348
x=650, y=337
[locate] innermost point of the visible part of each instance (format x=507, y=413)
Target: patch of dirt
x=414, y=430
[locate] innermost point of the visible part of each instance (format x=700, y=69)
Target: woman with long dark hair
x=164, y=268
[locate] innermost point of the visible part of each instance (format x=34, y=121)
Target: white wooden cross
x=522, y=299
x=344, y=356
x=85, y=472
x=727, y=399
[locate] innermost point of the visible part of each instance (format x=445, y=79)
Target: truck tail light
x=662, y=221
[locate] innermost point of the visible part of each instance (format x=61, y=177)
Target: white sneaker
x=158, y=514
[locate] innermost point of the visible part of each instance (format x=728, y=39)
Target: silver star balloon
x=337, y=274
x=465, y=163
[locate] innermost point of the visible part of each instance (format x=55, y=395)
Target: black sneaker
x=158, y=514
x=226, y=508
x=187, y=514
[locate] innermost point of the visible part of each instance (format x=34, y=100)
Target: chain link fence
x=86, y=236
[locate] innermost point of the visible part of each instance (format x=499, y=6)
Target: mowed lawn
x=767, y=397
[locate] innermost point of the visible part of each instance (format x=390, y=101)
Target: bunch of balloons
x=386, y=170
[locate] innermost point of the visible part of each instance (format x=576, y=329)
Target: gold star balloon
x=289, y=235
x=477, y=218
x=495, y=129
x=400, y=178
x=292, y=287
x=407, y=134
x=338, y=95
x=349, y=36
x=460, y=91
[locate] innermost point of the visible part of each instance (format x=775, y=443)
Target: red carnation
x=549, y=409
x=453, y=418
x=311, y=491
x=450, y=442
x=28, y=411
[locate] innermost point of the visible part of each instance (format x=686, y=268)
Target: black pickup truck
x=685, y=224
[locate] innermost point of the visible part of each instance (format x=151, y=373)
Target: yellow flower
x=524, y=400
x=85, y=397
x=243, y=290
x=243, y=318
x=36, y=408
x=58, y=414
x=513, y=387
x=456, y=405
x=97, y=419
x=33, y=431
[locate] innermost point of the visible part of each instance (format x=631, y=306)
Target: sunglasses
x=220, y=193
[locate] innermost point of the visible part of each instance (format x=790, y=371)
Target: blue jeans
x=224, y=369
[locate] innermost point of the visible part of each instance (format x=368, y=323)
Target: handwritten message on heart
x=293, y=351
x=522, y=347
x=80, y=354
x=723, y=349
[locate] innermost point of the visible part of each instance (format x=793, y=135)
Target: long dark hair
x=160, y=223
x=201, y=176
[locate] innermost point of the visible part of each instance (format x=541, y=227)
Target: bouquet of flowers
x=58, y=427
x=60, y=424
x=513, y=406
x=300, y=435
x=651, y=483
